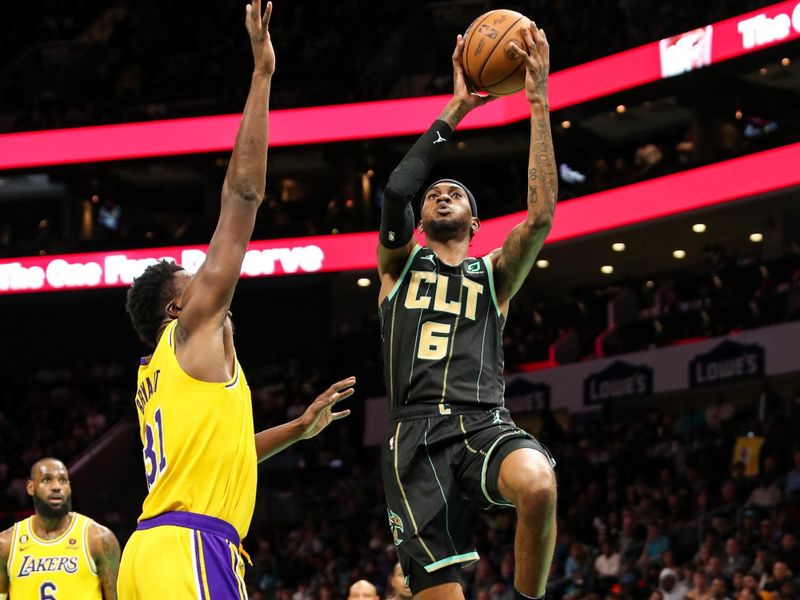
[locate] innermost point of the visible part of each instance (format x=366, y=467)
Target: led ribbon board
x=689, y=190
x=776, y=24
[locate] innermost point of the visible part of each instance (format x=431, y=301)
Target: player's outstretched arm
x=514, y=260
x=397, y=215
x=105, y=551
x=206, y=300
x=5, y=550
x=316, y=418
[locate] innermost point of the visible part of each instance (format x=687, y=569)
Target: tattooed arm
x=104, y=548
x=514, y=260
x=5, y=550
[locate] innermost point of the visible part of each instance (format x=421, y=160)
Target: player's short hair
x=35, y=466
x=148, y=297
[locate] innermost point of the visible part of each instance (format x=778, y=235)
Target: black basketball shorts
x=433, y=466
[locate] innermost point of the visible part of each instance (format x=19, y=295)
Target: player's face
x=399, y=584
x=446, y=211
x=51, y=490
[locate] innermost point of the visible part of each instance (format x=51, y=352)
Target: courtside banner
x=772, y=25
x=674, y=194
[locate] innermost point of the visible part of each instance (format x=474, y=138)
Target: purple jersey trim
x=191, y=520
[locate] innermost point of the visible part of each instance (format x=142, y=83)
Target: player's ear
x=419, y=227
x=29, y=487
x=475, y=225
x=173, y=309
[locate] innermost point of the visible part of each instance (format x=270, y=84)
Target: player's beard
x=446, y=229
x=46, y=511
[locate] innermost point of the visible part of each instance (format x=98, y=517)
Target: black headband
x=473, y=205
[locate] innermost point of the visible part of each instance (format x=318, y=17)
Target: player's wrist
x=540, y=106
x=299, y=427
x=455, y=110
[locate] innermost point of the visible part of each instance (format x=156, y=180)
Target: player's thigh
x=490, y=445
x=159, y=563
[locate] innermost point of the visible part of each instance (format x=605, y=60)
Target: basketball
x=489, y=63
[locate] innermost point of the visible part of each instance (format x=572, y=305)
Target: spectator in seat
x=789, y=551
x=734, y=559
x=606, y=565
x=780, y=575
x=719, y=591
x=700, y=588
x=669, y=586
x=655, y=545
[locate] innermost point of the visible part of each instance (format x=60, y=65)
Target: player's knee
x=535, y=487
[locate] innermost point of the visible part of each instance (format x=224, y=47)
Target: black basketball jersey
x=442, y=334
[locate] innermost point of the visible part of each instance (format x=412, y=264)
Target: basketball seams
x=465, y=52
x=497, y=45
x=506, y=78
x=471, y=35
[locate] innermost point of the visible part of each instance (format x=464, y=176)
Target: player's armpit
x=513, y=262
x=105, y=551
x=390, y=266
x=5, y=549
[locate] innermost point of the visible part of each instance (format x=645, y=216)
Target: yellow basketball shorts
x=182, y=556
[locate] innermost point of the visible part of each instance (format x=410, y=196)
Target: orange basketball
x=487, y=58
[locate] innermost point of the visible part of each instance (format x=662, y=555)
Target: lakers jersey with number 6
x=57, y=569
x=198, y=440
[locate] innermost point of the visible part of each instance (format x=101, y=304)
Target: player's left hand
x=260, y=40
x=320, y=414
x=537, y=63
x=462, y=91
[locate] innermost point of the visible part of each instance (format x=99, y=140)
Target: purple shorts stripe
x=204, y=523
x=220, y=575
x=197, y=563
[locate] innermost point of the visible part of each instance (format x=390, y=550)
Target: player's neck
x=47, y=528
x=450, y=252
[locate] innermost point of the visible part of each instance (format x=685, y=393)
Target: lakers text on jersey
x=57, y=569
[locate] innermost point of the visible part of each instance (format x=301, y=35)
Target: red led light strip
x=674, y=194
x=727, y=39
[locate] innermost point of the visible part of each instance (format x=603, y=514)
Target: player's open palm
x=320, y=414
x=258, y=28
x=537, y=62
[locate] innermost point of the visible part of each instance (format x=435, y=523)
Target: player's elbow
x=243, y=193
x=542, y=222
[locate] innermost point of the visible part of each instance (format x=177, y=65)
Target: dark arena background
x=655, y=347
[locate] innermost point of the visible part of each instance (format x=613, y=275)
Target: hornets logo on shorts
x=396, y=525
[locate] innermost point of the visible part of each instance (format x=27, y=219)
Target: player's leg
x=443, y=584
x=528, y=481
x=446, y=591
x=507, y=467
x=427, y=512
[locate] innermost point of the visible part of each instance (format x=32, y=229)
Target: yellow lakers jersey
x=56, y=569
x=198, y=439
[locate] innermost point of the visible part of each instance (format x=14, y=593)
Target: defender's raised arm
x=206, y=300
